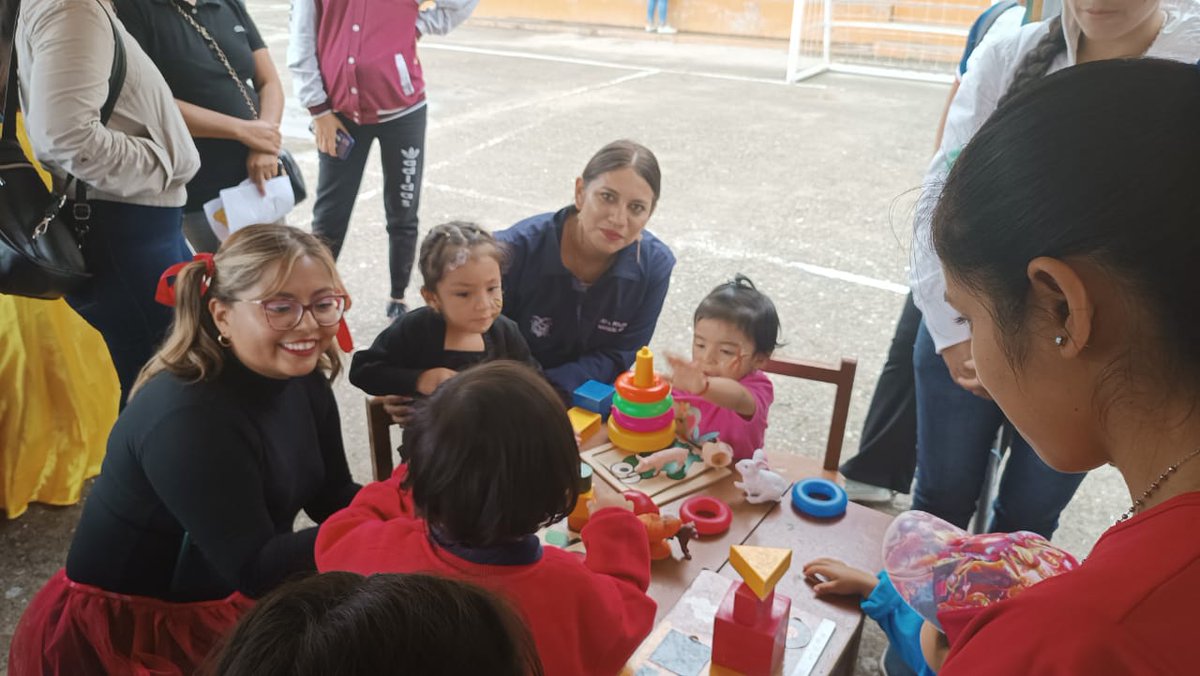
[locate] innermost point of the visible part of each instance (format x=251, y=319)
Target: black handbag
x=41, y=251
x=287, y=163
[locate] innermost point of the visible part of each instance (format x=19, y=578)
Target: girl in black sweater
x=460, y=326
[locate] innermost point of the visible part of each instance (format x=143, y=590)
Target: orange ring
x=711, y=516
x=642, y=395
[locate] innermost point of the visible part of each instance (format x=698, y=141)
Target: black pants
x=402, y=150
x=887, y=455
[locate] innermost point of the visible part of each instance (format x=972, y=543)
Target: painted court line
x=475, y=194
x=610, y=64
x=538, y=121
x=477, y=114
x=818, y=270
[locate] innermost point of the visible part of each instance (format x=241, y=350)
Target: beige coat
x=145, y=155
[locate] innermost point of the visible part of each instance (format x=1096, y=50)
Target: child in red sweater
x=492, y=458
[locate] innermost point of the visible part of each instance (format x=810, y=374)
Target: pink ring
x=711, y=516
x=644, y=424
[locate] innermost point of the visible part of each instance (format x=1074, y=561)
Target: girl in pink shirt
x=722, y=393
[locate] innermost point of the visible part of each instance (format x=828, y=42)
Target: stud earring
x=223, y=340
x=1060, y=340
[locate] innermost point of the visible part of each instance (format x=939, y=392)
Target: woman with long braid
x=956, y=417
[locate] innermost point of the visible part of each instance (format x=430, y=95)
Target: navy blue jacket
x=578, y=334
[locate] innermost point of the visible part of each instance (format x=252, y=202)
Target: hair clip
x=459, y=260
x=165, y=293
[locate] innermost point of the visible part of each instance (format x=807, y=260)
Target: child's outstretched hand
x=686, y=375
x=839, y=578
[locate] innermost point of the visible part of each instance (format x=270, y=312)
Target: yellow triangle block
x=760, y=567
x=584, y=422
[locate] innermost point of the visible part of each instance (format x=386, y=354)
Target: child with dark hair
x=491, y=459
x=736, y=328
x=344, y=623
x=460, y=325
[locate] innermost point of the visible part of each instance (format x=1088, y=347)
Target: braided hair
x=450, y=245
x=1037, y=61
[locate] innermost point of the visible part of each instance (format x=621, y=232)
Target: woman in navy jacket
x=585, y=284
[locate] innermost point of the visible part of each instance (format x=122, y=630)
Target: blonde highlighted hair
x=190, y=350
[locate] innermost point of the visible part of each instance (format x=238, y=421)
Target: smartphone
x=345, y=143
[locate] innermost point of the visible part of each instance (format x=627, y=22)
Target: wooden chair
x=379, y=438
x=841, y=375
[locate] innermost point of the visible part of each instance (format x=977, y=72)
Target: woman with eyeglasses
x=232, y=429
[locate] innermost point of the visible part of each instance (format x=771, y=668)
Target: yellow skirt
x=60, y=401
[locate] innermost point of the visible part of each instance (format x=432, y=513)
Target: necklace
x=1137, y=504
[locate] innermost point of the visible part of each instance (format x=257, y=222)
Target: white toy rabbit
x=758, y=481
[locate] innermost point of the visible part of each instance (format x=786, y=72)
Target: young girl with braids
x=231, y=430
x=956, y=417
x=460, y=326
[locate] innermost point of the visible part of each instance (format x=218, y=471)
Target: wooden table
x=855, y=538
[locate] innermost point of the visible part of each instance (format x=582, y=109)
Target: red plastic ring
x=711, y=516
x=642, y=395
x=644, y=424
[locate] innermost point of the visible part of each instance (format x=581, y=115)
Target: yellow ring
x=640, y=442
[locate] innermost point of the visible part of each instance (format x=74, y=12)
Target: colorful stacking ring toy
x=639, y=442
x=653, y=393
x=710, y=515
x=654, y=424
x=637, y=410
x=820, y=498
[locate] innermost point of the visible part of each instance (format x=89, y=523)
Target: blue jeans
x=127, y=247
x=955, y=431
x=662, y=11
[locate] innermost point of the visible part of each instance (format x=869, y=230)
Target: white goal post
x=910, y=39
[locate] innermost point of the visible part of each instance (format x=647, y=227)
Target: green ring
x=636, y=410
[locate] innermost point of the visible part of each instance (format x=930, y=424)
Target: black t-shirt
x=202, y=483
x=195, y=75
x=416, y=343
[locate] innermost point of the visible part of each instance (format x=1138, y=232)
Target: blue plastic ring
x=819, y=497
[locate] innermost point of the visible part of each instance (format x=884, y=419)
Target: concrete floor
x=807, y=189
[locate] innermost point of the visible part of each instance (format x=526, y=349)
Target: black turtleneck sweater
x=203, y=481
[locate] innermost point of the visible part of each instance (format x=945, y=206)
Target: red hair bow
x=165, y=293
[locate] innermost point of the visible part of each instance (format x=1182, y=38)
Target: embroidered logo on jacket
x=540, y=326
x=612, y=326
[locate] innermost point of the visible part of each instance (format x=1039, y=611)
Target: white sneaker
x=858, y=491
x=666, y=30
x=649, y=28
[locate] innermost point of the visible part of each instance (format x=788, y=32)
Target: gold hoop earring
x=223, y=340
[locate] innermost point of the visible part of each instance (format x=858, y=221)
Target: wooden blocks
x=594, y=396
x=760, y=567
x=750, y=628
x=585, y=423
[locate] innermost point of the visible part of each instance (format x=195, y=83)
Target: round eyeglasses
x=285, y=314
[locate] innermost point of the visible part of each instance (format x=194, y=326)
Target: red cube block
x=749, y=634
